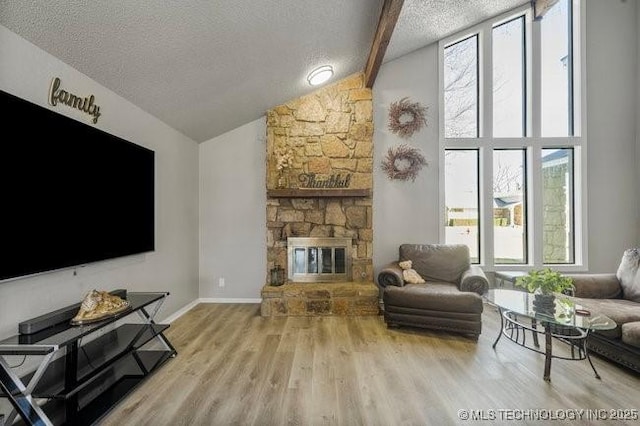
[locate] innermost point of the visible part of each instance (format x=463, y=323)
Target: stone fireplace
x=319, y=185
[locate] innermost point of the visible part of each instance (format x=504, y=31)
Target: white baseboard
x=229, y=300
x=180, y=312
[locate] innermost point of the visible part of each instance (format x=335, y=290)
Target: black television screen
x=70, y=194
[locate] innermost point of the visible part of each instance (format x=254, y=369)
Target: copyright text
x=543, y=414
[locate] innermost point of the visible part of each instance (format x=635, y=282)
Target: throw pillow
x=410, y=275
x=629, y=274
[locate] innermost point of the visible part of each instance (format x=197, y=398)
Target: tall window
x=509, y=79
x=557, y=69
x=462, y=199
x=511, y=139
x=509, y=206
x=461, y=89
x=557, y=205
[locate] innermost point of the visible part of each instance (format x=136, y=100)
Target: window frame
x=532, y=142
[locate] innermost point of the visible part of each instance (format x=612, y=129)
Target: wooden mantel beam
x=387, y=22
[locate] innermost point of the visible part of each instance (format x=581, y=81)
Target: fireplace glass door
x=318, y=259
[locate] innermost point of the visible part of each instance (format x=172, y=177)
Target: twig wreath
x=403, y=163
x=406, y=118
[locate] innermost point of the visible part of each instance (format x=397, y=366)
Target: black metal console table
x=83, y=371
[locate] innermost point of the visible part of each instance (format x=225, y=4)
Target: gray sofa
x=604, y=294
x=450, y=300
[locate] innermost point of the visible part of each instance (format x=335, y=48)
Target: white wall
x=26, y=72
x=405, y=212
x=408, y=212
x=611, y=126
x=233, y=213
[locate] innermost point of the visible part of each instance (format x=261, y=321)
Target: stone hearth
x=324, y=217
x=311, y=299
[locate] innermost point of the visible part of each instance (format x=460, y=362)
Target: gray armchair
x=450, y=299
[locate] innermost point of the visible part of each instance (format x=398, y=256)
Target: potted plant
x=544, y=283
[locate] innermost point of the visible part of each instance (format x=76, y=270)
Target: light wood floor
x=236, y=368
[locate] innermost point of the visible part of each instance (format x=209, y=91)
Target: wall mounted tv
x=70, y=194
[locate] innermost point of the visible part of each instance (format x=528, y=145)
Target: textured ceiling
x=206, y=67
x=423, y=22
x=203, y=67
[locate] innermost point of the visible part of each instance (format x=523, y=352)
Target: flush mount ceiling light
x=320, y=75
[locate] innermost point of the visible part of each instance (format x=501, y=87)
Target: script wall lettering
x=74, y=101
x=335, y=181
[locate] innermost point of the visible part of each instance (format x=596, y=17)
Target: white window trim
x=533, y=139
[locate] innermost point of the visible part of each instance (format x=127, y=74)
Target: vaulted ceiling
x=206, y=67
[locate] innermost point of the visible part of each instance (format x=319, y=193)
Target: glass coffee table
x=561, y=324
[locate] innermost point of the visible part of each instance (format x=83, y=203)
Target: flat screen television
x=70, y=194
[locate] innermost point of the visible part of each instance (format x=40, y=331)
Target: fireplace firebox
x=319, y=259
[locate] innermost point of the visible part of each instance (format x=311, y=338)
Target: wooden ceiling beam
x=540, y=7
x=387, y=22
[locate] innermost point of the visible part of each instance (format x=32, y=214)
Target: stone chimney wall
x=328, y=132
